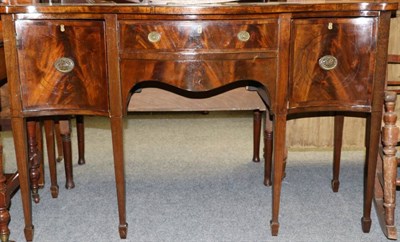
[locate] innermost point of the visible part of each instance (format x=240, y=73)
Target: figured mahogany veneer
x=43, y=87
x=207, y=52
x=198, y=35
x=352, y=42
x=300, y=57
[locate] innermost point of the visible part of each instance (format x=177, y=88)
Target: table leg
x=256, y=135
x=279, y=156
x=60, y=156
x=34, y=160
x=268, y=148
x=372, y=153
x=39, y=141
x=19, y=134
x=80, y=127
x=51, y=154
x=117, y=140
x=337, y=148
x=65, y=131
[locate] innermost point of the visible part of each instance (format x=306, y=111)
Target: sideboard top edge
x=204, y=9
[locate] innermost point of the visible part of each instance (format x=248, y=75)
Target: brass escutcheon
x=154, y=37
x=243, y=35
x=64, y=65
x=327, y=62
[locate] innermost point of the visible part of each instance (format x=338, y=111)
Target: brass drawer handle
x=243, y=36
x=327, y=62
x=64, y=65
x=154, y=37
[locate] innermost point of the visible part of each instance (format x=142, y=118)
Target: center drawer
x=198, y=35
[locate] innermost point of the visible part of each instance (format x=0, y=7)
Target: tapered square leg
x=117, y=140
x=279, y=156
x=337, y=150
x=19, y=134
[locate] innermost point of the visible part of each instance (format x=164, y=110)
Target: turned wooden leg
x=279, y=156
x=65, y=130
x=390, y=134
x=256, y=135
x=371, y=158
x=39, y=139
x=268, y=145
x=19, y=134
x=337, y=150
x=4, y=202
x=51, y=154
x=117, y=140
x=34, y=160
x=80, y=128
x=60, y=152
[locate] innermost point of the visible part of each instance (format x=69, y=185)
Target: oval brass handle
x=328, y=62
x=154, y=37
x=64, y=64
x=243, y=35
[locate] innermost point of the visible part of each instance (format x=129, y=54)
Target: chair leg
x=4, y=202
x=80, y=127
x=337, y=148
x=60, y=156
x=51, y=153
x=268, y=145
x=256, y=134
x=65, y=130
x=390, y=134
x=33, y=160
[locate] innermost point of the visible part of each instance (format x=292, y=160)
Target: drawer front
x=196, y=35
x=62, y=65
x=333, y=62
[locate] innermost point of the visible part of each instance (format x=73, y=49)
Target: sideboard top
x=132, y=6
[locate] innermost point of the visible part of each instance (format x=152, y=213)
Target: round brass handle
x=328, y=62
x=154, y=37
x=64, y=64
x=243, y=36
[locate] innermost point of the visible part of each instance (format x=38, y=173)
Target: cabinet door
x=63, y=65
x=332, y=62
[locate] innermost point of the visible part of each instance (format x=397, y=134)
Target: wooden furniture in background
x=307, y=57
x=387, y=179
x=386, y=174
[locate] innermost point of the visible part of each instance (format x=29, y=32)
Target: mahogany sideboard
x=88, y=58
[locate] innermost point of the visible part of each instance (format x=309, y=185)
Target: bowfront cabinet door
x=333, y=63
x=62, y=65
x=198, y=55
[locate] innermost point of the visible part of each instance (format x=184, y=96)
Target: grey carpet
x=189, y=177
